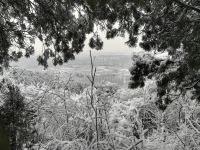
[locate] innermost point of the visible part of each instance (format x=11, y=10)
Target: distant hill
x=111, y=68
x=100, y=60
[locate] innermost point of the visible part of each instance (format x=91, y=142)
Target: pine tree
x=17, y=120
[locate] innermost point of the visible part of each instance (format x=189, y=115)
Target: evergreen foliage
x=16, y=119
x=165, y=26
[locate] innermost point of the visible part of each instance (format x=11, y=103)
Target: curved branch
x=187, y=6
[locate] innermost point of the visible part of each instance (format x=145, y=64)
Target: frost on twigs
x=126, y=118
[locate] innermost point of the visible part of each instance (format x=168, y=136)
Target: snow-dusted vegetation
x=104, y=117
x=96, y=103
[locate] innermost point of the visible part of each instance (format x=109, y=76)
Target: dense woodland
x=159, y=111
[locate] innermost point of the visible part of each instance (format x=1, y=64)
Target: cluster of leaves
x=173, y=77
x=57, y=25
x=170, y=26
x=53, y=22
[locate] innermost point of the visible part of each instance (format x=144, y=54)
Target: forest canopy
x=165, y=26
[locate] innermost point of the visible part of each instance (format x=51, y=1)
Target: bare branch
x=187, y=6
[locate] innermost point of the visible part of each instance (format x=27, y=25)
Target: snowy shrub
x=69, y=118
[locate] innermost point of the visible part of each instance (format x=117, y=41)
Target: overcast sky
x=114, y=46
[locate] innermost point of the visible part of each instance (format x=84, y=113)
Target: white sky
x=114, y=46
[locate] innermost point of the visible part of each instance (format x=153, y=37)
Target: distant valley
x=110, y=68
